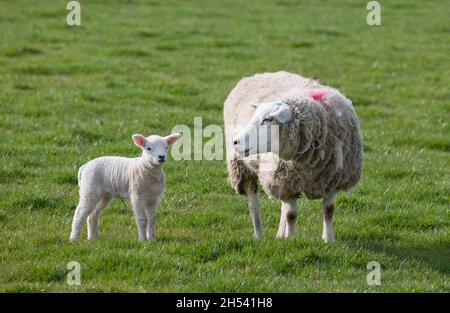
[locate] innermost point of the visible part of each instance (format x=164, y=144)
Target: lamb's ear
x=139, y=140
x=173, y=137
x=283, y=114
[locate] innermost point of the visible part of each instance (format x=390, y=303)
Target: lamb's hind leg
x=254, y=209
x=92, y=220
x=85, y=206
x=328, y=210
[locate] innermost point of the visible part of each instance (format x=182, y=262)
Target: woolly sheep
x=319, y=149
x=141, y=179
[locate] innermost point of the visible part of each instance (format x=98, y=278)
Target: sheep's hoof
x=258, y=236
x=285, y=236
x=327, y=240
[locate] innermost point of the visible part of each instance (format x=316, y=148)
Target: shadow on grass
x=435, y=255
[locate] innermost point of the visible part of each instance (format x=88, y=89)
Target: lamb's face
x=262, y=132
x=155, y=148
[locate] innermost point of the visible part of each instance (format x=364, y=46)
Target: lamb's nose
x=161, y=157
x=236, y=142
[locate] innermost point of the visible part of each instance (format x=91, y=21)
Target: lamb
x=318, y=148
x=141, y=179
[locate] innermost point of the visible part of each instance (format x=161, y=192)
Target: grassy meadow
x=72, y=93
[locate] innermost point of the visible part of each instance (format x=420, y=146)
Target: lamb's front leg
x=140, y=216
x=288, y=219
x=328, y=210
x=150, y=211
x=254, y=209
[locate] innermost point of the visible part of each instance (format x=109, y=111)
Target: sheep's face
x=262, y=132
x=155, y=148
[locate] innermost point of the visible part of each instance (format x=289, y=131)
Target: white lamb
x=141, y=179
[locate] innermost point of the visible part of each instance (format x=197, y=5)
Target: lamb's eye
x=149, y=149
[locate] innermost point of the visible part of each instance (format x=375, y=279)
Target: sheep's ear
x=173, y=137
x=139, y=140
x=283, y=114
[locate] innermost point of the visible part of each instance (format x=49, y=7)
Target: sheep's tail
x=80, y=170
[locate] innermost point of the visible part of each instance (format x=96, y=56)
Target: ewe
x=140, y=179
x=319, y=145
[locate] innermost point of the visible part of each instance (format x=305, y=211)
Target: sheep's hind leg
x=288, y=219
x=254, y=209
x=328, y=210
x=92, y=220
x=84, y=208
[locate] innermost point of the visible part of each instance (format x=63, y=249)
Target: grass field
x=69, y=94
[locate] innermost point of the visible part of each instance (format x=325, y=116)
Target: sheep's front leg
x=140, y=216
x=150, y=211
x=328, y=210
x=288, y=219
x=254, y=209
x=282, y=226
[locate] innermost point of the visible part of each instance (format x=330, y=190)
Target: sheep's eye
x=149, y=149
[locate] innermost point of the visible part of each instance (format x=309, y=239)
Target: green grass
x=69, y=94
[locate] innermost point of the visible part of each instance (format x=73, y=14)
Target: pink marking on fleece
x=318, y=95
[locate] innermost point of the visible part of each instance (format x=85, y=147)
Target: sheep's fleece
x=320, y=147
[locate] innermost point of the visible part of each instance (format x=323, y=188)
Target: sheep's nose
x=236, y=142
x=161, y=158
